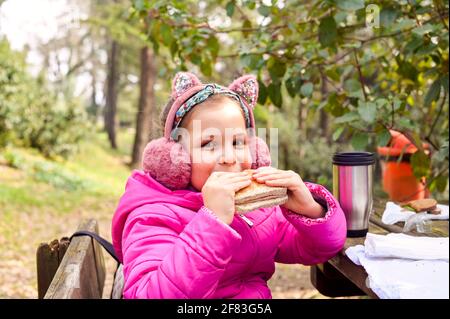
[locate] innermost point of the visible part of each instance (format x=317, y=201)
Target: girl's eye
x=209, y=145
x=239, y=143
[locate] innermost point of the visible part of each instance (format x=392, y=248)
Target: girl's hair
x=165, y=111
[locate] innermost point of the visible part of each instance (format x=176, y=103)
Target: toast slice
x=423, y=205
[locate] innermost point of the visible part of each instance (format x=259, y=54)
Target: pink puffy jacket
x=174, y=247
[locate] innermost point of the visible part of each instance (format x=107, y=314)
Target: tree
x=125, y=33
x=145, y=112
x=112, y=81
x=32, y=115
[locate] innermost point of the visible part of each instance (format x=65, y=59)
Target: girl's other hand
x=300, y=199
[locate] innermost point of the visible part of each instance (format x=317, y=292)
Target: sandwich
x=259, y=195
x=428, y=205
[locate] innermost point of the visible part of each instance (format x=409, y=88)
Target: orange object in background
x=398, y=178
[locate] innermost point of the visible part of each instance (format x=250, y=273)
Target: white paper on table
x=394, y=213
x=396, y=278
x=406, y=247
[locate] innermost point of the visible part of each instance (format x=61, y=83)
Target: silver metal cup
x=352, y=187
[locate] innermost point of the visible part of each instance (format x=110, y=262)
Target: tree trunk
x=300, y=116
x=94, y=105
x=324, y=124
x=93, y=73
x=112, y=82
x=324, y=118
x=144, y=118
x=286, y=156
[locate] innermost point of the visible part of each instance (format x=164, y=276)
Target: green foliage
x=327, y=31
x=50, y=173
x=45, y=171
x=420, y=162
x=314, y=161
x=350, y=4
x=31, y=115
x=369, y=79
x=90, y=181
x=87, y=171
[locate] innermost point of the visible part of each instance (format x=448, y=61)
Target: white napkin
x=405, y=246
x=394, y=213
x=403, y=266
x=395, y=278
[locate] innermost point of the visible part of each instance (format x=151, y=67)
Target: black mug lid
x=354, y=158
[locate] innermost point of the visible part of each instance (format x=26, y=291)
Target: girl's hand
x=300, y=199
x=219, y=190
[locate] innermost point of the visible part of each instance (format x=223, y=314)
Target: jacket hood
x=141, y=189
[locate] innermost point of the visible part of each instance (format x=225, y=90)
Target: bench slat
x=47, y=264
x=81, y=274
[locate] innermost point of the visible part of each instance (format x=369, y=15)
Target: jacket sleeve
x=164, y=259
x=311, y=241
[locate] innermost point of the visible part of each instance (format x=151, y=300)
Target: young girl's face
x=217, y=139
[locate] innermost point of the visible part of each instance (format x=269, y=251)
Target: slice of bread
x=248, y=207
x=259, y=195
x=422, y=205
x=256, y=191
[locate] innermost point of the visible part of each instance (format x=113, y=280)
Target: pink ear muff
x=260, y=152
x=167, y=162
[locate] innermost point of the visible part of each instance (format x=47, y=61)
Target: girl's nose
x=228, y=156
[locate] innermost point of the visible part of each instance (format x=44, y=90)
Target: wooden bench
x=73, y=269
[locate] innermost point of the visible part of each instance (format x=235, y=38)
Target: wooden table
x=340, y=277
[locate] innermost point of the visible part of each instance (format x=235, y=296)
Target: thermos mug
x=352, y=187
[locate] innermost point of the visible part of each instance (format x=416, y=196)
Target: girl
x=175, y=228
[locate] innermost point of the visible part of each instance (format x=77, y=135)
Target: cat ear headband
x=188, y=91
